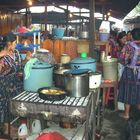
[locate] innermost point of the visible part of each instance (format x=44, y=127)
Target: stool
x=106, y=86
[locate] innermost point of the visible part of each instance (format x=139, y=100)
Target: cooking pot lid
x=83, y=60
x=110, y=60
x=61, y=71
x=76, y=71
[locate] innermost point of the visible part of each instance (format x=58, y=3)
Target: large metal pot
x=58, y=76
x=38, y=76
x=77, y=83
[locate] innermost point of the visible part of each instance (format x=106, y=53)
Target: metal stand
x=87, y=106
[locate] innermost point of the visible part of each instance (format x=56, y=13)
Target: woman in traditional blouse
x=10, y=58
x=129, y=85
x=10, y=84
x=117, y=43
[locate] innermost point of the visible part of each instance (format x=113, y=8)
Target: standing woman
x=129, y=85
x=117, y=46
x=129, y=36
x=121, y=40
x=10, y=84
x=12, y=56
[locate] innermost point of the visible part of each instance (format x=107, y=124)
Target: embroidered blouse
x=9, y=64
x=130, y=56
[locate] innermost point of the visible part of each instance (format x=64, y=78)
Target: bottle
x=22, y=131
x=36, y=126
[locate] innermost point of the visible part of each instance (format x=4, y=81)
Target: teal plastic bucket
x=103, y=36
x=58, y=33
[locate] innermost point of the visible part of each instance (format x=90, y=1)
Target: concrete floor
x=116, y=128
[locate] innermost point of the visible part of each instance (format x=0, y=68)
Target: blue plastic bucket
x=103, y=36
x=58, y=32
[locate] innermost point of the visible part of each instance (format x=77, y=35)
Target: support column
x=45, y=17
x=91, y=28
x=67, y=20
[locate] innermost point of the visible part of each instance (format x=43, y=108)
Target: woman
x=129, y=36
x=10, y=83
x=112, y=43
x=129, y=85
x=118, y=44
x=11, y=58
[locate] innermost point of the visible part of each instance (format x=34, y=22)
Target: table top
x=109, y=84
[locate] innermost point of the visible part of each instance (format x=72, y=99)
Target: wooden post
x=91, y=28
x=45, y=17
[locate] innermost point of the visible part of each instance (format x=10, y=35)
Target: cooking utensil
x=77, y=82
x=83, y=63
x=58, y=75
x=41, y=75
x=52, y=93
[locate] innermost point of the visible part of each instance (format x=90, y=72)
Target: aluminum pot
x=58, y=76
x=77, y=83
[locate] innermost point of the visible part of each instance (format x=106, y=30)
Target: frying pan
x=51, y=93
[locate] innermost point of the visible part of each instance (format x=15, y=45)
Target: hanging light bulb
x=30, y=2
x=70, y=15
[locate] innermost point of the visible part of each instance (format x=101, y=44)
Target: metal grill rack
x=68, y=101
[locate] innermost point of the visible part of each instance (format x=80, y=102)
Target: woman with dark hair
x=129, y=36
x=10, y=58
x=10, y=83
x=119, y=41
x=129, y=85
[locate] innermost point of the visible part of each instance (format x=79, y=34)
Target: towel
x=28, y=67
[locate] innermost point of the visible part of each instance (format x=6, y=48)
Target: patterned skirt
x=10, y=86
x=129, y=87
